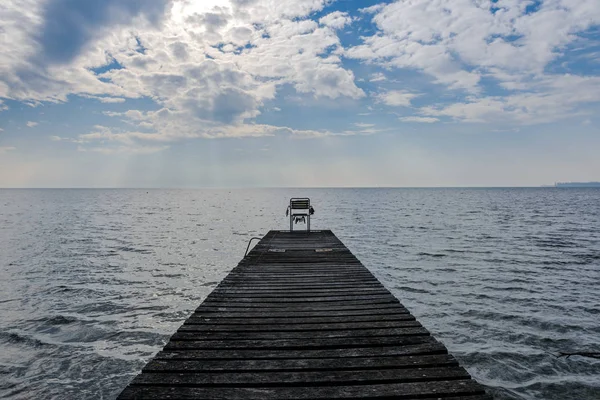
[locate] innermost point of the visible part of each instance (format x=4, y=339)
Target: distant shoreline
x=576, y=184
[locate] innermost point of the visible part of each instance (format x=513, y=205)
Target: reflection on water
x=93, y=282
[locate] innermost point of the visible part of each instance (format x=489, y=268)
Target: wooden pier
x=301, y=318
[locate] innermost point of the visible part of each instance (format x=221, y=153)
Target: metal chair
x=300, y=210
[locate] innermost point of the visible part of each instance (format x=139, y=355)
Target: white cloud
x=371, y=9
x=32, y=124
x=105, y=134
x=396, y=98
x=103, y=99
x=266, y=11
x=377, y=77
x=336, y=20
x=363, y=125
x=316, y=134
x=458, y=42
x=446, y=37
x=167, y=126
x=555, y=98
x=426, y=120
x=211, y=64
x=124, y=149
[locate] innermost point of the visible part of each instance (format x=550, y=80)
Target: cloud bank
x=211, y=67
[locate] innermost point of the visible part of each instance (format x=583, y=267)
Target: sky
x=298, y=93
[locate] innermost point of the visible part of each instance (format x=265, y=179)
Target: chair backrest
x=300, y=210
x=299, y=204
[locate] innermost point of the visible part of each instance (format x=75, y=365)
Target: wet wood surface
x=301, y=318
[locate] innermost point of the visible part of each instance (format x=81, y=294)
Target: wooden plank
x=291, y=276
x=339, y=305
x=301, y=281
x=260, y=272
x=241, y=312
x=240, y=282
x=278, y=378
x=295, y=343
x=436, y=389
x=302, y=324
x=202, y=325
x=301, y=299
x=293, y=321
x=300, y=293
x=197, y=334
x=294, y=286
x=426, y=346
x=317, y=266
x=254, y=274
x=259, y=286
x=305, y=364
x=344, y=268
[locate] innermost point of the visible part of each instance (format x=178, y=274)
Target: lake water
x=94, y=282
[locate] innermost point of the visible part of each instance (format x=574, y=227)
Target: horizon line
x=275, y=187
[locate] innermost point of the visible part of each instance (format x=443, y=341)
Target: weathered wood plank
x=257, y=273
x=242, y=312
x=295, y=286
x=427, y=346
x=197, y=334
x=302, y=293
x=294, y=321
x=436, y=389
x=301, y=281
x=345, y=363
x=292, y=275
x=295, y=343
x=278, y=378
x=293, y=291
x=251, y=326
x=301, y=299
x=293, y=269
x=339, y=305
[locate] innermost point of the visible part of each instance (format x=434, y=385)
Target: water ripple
x=93, y=282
